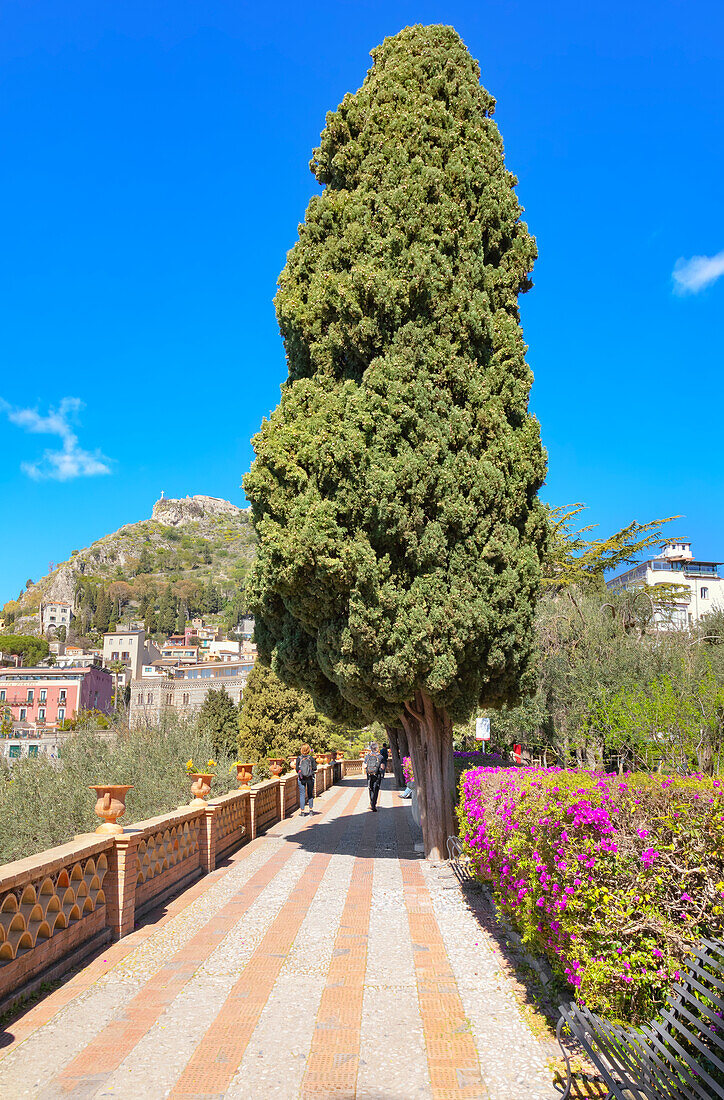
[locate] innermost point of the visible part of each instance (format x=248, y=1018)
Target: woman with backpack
x=306, y=766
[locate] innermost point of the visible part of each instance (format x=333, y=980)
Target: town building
x=152, y=695
x=702, y=587
x=35, y=701
x=130, y=647
x=246, y=627
x=175, y=654
x=55, y=615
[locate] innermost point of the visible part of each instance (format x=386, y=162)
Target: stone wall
x=63, y=905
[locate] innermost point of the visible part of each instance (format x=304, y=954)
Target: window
x=186, y=698
x=2, y=695
x=140, y=697
x=23, y=714
x=114, y=655
x=14, y=752
x=61, y=697
x=41, y=714
x=61, y=714
x=31, y=695
x=126, y=656
x=43, y=695
x=704, y=593
x=149, y=697
x=169, y=698
x=32, y=750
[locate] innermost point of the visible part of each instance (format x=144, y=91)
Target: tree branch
x=411, y=710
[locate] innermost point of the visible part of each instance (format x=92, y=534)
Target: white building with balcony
x=677, y=565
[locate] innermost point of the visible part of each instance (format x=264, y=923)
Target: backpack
x=306, y=768
x=373, y=763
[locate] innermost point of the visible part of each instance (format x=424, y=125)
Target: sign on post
x=482, y=728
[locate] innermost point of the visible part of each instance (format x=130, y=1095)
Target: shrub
x=45, y=802
x=609, y=877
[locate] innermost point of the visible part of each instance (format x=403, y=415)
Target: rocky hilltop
x=198, y=539
x=181, y=513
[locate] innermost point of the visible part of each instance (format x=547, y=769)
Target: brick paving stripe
x=451, y=1054
x=218, y=1055
x=334, y=1057
x=325, y=959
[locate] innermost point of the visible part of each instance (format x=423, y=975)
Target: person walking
x=375, y=769
x=306, y=766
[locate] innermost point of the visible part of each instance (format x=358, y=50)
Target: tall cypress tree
x=103, y=612
x=395, y=486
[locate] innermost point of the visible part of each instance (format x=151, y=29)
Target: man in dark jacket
x=375, y=769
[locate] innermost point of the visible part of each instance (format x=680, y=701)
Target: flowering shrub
x=478, y=760
x=407, y=770
x=610, y=877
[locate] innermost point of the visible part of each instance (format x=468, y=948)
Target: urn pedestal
x=200, y=788
x=110, y=805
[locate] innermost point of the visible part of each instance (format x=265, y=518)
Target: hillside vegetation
x=190, y=558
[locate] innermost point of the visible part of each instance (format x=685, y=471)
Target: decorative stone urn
x=276, y=765
x=110, y=805
x=329, y=757
x=362, y=754
x=321, y=758
x=200, y=788
x=243, y=775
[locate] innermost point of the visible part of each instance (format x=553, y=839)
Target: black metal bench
x=678, y=1057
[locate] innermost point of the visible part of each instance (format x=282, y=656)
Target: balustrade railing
x=61, y=906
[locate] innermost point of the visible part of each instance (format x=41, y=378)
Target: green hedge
x=609, y=877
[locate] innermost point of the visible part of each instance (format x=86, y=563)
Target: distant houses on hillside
x=37, y=704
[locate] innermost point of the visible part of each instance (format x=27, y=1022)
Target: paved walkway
x=324, y=959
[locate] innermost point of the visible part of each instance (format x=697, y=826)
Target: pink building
x=38, y=699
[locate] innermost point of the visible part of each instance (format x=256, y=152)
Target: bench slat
x=686, y=1033
x=712, y=1034
x=690, y=1061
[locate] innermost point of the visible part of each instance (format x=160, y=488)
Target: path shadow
x=318, y=834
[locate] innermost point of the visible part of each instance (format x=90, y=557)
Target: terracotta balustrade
x=62, y=906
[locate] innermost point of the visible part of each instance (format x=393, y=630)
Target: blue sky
x=155, y=167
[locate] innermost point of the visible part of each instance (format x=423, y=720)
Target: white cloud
x=70, y=461
x=691, y=276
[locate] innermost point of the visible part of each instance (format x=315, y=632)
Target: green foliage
x=394, y=490
x=596, y=658
x=30, y=648
x=87, y=720
x=145, y=561
x=167, y=611
x=102, y=616
x=609, y=877
x=573, y=559
x=218, y=719
x=673, y=721
x=47, y=804
x=276, y=720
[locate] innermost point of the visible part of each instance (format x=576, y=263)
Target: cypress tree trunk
x=429, y=735
x=393, y=735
